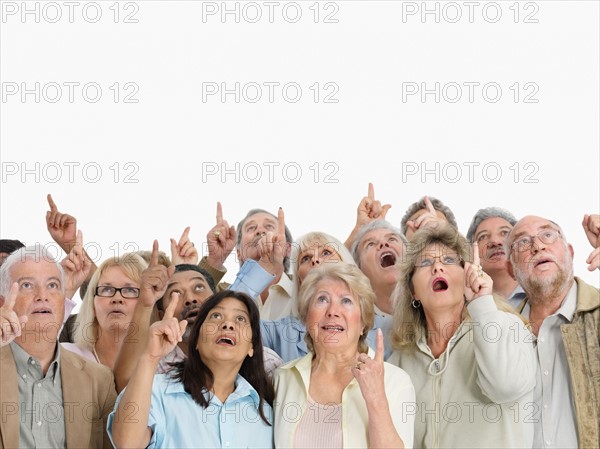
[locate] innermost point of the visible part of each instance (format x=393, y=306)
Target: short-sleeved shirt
x=177, y=421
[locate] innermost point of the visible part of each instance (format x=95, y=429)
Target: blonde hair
x=410, y=325
x=86, y=331
x=357, y=283
x=306, y=242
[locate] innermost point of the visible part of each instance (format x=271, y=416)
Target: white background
x=158, y=156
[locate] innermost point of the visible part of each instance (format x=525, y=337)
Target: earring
x=416, y=303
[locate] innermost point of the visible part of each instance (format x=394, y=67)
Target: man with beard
x=564, y=313
x=378, y=247
x=489, y=228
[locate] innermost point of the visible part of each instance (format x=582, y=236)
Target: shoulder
x=396, y=374
x=588, y=296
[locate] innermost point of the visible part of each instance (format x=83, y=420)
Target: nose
x=228, y=325
x=383, y=244
x=437, y=267
x=188, y=300
x=117, y=298
x=536, y=245
x=41, y=294
x=315, y=258
x=332, y=310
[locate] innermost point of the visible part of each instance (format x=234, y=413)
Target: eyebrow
x=31, y=278
x=546, y=226
x=237, y=310
x=200, y=278
x=487, y=230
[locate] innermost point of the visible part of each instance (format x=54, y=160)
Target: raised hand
x=370, y=209
x=274, y=247
x=477, y=281
x=427, y=219
x=155, y=279
x=10, y=323
x=221, y=240
x=591, y=226
x=164, y=335
x=369, y=373
x=184, y=251
x=77, y=266
x=62, y=227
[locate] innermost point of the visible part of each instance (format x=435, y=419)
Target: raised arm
x=154, y=285
x=368, y=209
x=162, y=338
x=369, y=374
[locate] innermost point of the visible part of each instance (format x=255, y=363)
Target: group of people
x=398, y=337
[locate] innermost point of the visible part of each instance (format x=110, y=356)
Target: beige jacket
x=582, y=344
x=88, y=390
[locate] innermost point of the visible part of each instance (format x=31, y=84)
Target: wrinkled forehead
x=493, y=223
x=378, y=234
x=32, y=268
x=181, y=277
x=261, y=218
x=531, y=226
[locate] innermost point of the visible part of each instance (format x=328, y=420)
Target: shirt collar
x=242, y=389
x=23, y=360
x=567, y=307
x=286, y=284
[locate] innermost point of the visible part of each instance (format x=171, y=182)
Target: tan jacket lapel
x=9, y=400
x=78, y=403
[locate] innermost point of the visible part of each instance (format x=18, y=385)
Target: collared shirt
x=40, y=401
x=553, y=410
x=292, y=383
x=177, y=421
x=284, y=336
x=516, y=297
x=280, y=302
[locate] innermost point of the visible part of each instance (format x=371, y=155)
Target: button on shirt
x=177, y=421
x=40, y=401
x=553, y=410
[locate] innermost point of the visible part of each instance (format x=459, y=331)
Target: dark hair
x=10, y=246
x=197, y=378
x=288, y=234
x=189, y=267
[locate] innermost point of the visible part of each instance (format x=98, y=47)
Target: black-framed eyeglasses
x=525, y=242
x=108, y=291
x=446, y=259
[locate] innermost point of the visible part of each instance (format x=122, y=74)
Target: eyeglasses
x=525, y=242
x=107, y=291
x=447, y=259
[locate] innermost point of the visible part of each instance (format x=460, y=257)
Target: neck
x=383, y=297
x=108, y=344
x=504, y=284
x=441, y=326
x=43, y=349
x=224, y=380
x=542, y=306
x=334, y=361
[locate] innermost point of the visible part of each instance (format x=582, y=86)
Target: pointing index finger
x=219, y=213
x=11, y=299
x=380, y=347
x=170, y=310
x=280, y=222
x=51, y=203
x=371, y=193
x=154, y=257
x=476, y=260
x=429, y=206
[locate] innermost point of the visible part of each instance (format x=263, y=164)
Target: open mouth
x=333, y=328
x=41, y=312
x=439, y=285
x=542, y=262
x=496, y=254
x=387, y=259
x=226, y=341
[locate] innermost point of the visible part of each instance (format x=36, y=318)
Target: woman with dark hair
x=219, y=396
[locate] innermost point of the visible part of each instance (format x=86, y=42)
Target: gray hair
x=484, y=214
x=376, y=224
x=35, y=252
x=437, y=205
x=288, y=234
